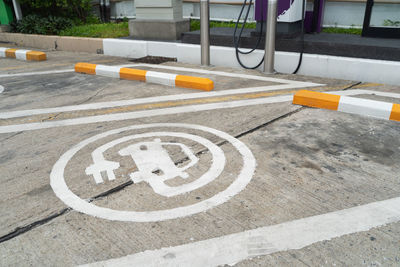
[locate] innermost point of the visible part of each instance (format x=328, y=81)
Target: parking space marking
x=36, y=73
x=170, y=111
x=142, y=114
x=57, y=180
x=147, y=100
x=296, y=234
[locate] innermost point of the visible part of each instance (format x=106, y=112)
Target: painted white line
x=62, y=191
x=296, y=234
x=170, y=111
x=143, y=114
x=146, y=100
x=1, y=89
x=36, y=73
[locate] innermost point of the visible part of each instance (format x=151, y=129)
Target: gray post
x=205, y=32
x=17, y=10
x=269, y=60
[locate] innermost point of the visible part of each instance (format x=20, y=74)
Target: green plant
x=104, y=30
x=391, y=23
x=60, y=8
x=34, y=24
x=355, y=31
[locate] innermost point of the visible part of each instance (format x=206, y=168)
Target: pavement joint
x=21, y=230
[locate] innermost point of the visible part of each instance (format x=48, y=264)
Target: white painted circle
x=217, y=166
x=1, y=89
x=62, y=191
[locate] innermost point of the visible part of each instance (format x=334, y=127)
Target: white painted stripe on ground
x=3, y=51
x=36, y=73
x=366, y=107
x=21, y=54
x=143, y=114
x=146, y=100
x=161, y=78
x=165, y=111
x=108, y=71
x=1, y=89
x=296, y=234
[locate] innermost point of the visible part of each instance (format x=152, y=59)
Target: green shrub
x=391, y=23
x=104, y=30
x=59, y=8
x=34, y=24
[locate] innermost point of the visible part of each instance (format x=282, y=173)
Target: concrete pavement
x=260, y=164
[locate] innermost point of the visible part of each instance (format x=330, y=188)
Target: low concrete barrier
x=365, y=107
x=168, y=79
x=22, y=54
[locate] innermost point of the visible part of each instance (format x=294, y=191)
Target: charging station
x=291, y=13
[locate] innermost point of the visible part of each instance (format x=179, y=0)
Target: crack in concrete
x=351, y=86
x=7, y=138
x=21, y=230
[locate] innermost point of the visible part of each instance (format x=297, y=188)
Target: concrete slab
x=309, y=162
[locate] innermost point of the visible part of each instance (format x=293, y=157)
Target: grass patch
x=342, y=30
x=104, y=30
x=195, y=24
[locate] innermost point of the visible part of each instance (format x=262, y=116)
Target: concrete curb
x=53, y=42
x=168, y=79
x=22, y=54
x=365, y=107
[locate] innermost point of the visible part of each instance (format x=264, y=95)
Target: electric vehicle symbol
x=152, y=159
x=155, y=165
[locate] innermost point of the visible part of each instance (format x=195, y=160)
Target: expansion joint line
x=21, y=230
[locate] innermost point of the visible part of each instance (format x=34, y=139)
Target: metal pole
x=270, y=33
x=17, y=10
x=205, y=32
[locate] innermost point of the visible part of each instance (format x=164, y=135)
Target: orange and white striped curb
x=22, y=54
x=365, y=107
x=146, y=76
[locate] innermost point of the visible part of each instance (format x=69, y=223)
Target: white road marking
x=147, y=100
x=36, y=73
x=231, y=249
x=170, y=111
x=62, y=191
x=148, y=159
x=1, y=89
x=143, y=114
